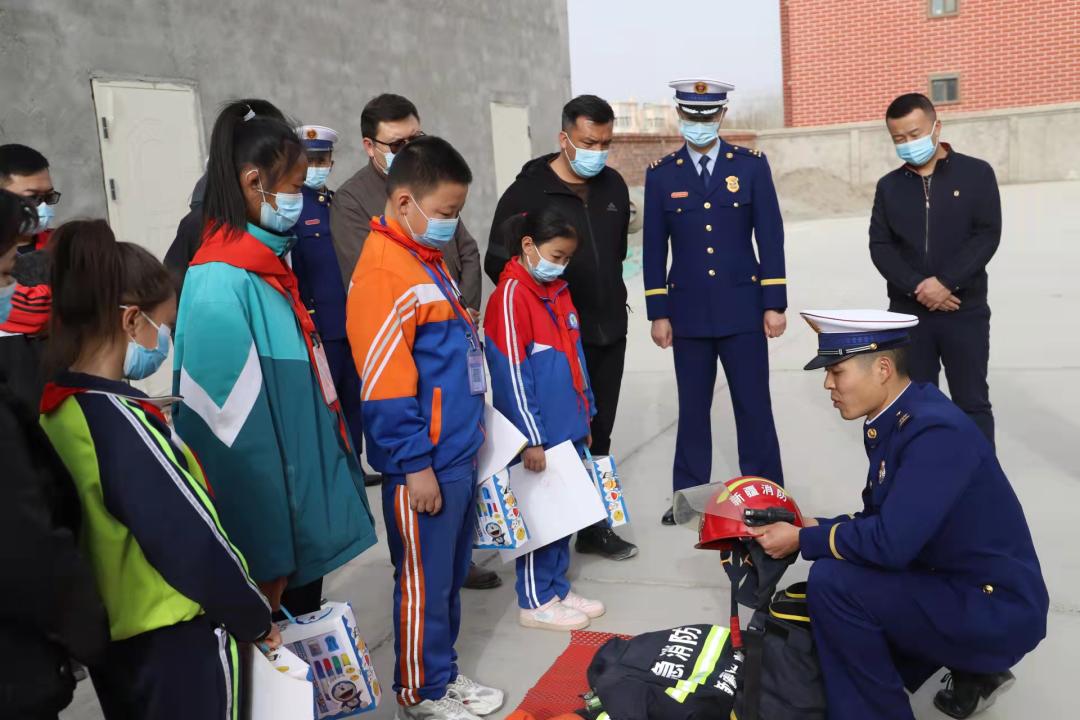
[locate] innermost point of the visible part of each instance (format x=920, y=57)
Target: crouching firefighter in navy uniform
x=938, y=568
x=718, y=300
x=316, y=267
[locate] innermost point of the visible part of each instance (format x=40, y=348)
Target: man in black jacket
x=936, y=224
x=595, y=199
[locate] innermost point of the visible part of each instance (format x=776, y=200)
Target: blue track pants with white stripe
x=541, y=574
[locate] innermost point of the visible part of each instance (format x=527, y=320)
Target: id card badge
x=326, y=380
x=477, y=376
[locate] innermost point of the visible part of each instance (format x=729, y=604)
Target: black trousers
x=183, y=671
x=301, y=600
x=961, y=342
x=605, y=364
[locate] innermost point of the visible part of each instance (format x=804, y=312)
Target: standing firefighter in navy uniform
x=319, y=277
x=719, y=299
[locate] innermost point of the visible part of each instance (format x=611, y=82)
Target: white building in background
x=633, y=117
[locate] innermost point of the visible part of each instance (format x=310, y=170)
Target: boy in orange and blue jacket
x=421, y=365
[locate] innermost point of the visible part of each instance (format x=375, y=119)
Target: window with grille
x=945, y=89
x=941, y=8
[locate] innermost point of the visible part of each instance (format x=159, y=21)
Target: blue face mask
x=282, y=218
x=140, y=362
x=544, y=270
x=45, y=215
x=316, y=177
x=6, y=293
x=699, y=134
x=586, y=163
x=439, y=233
x=389, y=161
x=917, y=152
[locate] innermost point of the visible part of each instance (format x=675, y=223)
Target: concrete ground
x=1035, y=387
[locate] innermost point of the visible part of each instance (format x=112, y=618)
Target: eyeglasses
x=399, y=145
x=50, y=198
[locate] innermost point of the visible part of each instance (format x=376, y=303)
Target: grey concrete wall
x=833, y=170
x=318, y=61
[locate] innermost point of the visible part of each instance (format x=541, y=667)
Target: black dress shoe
x=669, y=517
x=481, y=578
x=601, y=540
x=966, y=694
x=373, y=480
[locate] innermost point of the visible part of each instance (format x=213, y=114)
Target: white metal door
x=510, y=138
x=151, y=156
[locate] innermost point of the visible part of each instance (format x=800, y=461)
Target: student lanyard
x=475, y=355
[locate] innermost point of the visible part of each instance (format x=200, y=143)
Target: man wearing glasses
x=25, y=172
x=389, y=123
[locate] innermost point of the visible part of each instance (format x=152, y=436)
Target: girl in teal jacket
x=258, y=404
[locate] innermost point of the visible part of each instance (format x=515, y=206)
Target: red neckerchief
x=41, y=239
x=53, y=395
x=241, y=249
x=547, y=293
x=429, y=256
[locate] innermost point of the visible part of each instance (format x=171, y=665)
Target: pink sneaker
x=553, y=616
x=591, y=608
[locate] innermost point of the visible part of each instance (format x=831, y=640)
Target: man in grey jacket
x=388, y=123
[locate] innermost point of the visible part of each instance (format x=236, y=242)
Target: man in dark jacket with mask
x=595, y=198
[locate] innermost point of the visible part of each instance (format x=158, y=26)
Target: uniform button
x=708, y=228
x=736, y=204
x=322, y=198
x=988, y=589
x=753, y=278
x=712, y=273
x=708, y=205
x=709, y=250
x=678, y=210
x=316, y=234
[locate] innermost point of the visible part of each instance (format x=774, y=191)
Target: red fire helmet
x=722, y=514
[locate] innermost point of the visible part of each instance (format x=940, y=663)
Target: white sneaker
x=591, y=608
x=448, y=708
x=478, y=699
x=554, y=616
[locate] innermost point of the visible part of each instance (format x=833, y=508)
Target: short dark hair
x=590, y=107
x=385, y=108
x=17, y=217
x=18, y=159
x=545, y=225
x=425, y=163
x=899, y=357
x=242, y=136
x=909, y=103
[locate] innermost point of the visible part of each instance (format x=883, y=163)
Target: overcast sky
x=622, y=49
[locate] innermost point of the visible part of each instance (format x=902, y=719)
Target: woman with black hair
x=259, y=404
x=49, y=607
x=176, y=590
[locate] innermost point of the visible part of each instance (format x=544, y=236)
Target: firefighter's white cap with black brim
x=844, y=333
x=701, y=97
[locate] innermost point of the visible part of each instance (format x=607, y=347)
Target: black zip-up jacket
x=946, y=226
x=49, y=605
x=595, y=272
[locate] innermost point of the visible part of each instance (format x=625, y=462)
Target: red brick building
x=844, y=60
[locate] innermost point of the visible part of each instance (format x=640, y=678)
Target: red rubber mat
x=559, y=690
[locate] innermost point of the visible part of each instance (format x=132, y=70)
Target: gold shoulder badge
x=732, y=183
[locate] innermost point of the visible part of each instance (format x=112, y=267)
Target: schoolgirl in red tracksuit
x=539, y=381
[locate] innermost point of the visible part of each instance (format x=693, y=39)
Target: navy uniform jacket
x=316, y=266
x=716, y=286
x=937, y=501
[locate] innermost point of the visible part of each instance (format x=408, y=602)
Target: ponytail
x=92, y=276
x=246, y=132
